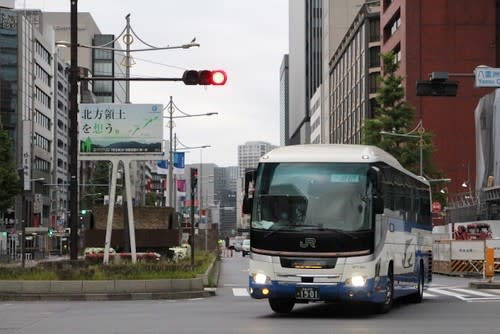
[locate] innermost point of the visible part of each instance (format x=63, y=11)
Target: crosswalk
x=434, y=292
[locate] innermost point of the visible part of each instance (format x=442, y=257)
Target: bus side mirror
x=375, y=177
x=247, y=204
x=378, y=205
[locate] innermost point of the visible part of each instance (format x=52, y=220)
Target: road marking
x=429, y=295
x=447, y=293
x=476, y=293
x=240, y=292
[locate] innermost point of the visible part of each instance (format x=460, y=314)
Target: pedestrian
x=226, y=248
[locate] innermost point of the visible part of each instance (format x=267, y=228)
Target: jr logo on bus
x=308, y=242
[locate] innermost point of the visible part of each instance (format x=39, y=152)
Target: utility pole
x=170, y=155
x=73, y=132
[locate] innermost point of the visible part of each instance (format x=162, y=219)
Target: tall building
x=337, y=18
x=33, y=94
x=97, y=61
x=354, y=72
x=225, y=185
x=447, y=36
x=316, y=29
x=305, y=65
x=248, y=157
x=284, y=102
x=250, y=153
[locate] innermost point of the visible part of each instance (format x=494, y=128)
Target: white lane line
x=240, y=292
x=476, y=293
x=448, y=293
x=429, y=295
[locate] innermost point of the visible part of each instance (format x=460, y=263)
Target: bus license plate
x=307, y=293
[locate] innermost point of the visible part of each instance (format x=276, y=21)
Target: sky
x=247, y=39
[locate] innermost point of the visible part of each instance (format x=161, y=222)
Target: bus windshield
x=312, y=196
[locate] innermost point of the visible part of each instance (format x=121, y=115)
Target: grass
x=82, y=270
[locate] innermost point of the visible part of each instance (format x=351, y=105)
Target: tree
x=9, y=180
x=394, y=114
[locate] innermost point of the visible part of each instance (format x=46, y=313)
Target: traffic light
x=438, y=85
x=50, y=232
x=83, y=211
x=436, y=88
x=204, y=77
x=194, y=178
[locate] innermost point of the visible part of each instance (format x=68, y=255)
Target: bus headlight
x=357, y=281
x=260, y=278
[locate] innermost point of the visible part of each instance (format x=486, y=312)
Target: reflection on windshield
x=299, y=196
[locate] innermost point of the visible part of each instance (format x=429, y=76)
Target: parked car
x=245, y=247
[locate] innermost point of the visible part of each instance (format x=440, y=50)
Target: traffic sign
x=487, y=77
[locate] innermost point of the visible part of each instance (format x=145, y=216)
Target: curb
x=104, y=296
x=484, y=285
x=59, y=293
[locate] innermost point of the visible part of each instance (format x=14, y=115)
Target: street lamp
x=80, y=45
x=171, y=109
x=410, y=134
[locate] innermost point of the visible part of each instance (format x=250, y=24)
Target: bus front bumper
x=309, y=292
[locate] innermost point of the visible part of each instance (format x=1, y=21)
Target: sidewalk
x=484, y=283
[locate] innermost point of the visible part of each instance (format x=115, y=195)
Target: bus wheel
x=386, y=305
x=281, y=305
x=419, y=295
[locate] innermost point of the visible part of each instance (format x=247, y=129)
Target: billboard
x=106, y=128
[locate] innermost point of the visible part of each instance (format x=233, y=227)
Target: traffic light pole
x=193, y=189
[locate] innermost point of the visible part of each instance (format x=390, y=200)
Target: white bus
x=337, y=223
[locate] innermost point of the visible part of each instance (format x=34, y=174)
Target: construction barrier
x=458, y=257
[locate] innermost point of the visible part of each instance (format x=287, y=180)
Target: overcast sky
x=245, y=38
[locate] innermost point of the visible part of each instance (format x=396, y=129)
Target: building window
x=392, y=26
x=374, y=33
x=375, y=56
x=374, y=83
x=42, y=75
x=42, y=120
x=42, y=52
x=42, y=97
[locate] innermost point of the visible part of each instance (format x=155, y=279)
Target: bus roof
x=333, y=153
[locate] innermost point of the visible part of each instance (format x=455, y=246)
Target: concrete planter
x=105, y=289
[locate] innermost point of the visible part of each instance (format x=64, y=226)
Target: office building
x=225, y=185
x=444, y=36
x=354, y=72
x=305, y=65
x=284, y=102
x=248, y=158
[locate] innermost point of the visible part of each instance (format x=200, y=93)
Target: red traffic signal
x=194, y=178
x=204, y=77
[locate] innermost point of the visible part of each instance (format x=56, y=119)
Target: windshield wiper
x=273, y=231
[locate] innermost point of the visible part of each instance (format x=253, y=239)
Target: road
x=449, y=307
